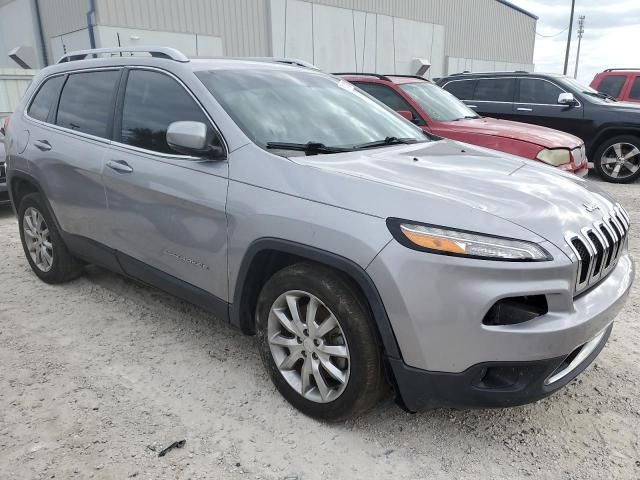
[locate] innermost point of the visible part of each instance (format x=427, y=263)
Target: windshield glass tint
x=439, y=104
x=574, y=84
x=301, y=107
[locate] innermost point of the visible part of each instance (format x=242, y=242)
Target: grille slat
x=599, y=247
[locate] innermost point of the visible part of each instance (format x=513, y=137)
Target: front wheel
x=318, y=343
x=617, y=160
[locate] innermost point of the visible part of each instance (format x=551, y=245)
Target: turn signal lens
x=460, y=243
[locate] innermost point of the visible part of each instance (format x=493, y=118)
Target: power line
x=554, y=35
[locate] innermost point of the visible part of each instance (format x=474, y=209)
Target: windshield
x=297, y=107
x=439, y=104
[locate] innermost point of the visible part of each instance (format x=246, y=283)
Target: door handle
x=472, y=106
x=42, y=145
x=119, y=166
x=522, y=109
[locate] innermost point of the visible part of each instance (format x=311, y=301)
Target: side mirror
x=406, y=114
x=193, y=138
x=566, y=98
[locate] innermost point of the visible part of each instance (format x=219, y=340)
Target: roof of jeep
x=194, y=64
x=390, y=78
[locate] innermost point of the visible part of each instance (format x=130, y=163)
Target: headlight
x=555, y=157
x=445, y=241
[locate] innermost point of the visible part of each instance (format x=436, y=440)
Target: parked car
x=610, y=129
x=437, y=111
x=621, y=83
x=364, y=255
x=4, y=194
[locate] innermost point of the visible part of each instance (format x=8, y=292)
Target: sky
x=611, y=38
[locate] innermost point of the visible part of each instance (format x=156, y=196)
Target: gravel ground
x=98, y=375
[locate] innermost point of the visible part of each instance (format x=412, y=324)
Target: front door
x=537, y=102
x=166, y=210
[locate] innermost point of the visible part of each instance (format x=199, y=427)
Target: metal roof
x=515, y=7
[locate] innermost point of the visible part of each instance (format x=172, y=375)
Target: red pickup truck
x=437, y=111
x=621, y=83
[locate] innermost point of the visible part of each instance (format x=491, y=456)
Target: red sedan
x=437, y=111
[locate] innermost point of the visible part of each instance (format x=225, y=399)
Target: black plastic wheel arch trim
x=346, y=266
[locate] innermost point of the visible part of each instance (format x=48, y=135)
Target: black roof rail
x=363, y=74
x=419, y=77
x=158, y=52
x=620, y=69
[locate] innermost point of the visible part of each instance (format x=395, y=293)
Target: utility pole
x=566, y=57
x=580, y=33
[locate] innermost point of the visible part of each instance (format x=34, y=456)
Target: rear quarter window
x=45, y=99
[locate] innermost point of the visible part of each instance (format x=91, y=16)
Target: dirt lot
x=98, y=374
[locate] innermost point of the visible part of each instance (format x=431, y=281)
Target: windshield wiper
x=466, y=117
x=385, y=142
x=603, y=95
x=309, y=147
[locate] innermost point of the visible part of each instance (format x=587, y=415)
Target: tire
x=353, y=335
x=55, y=264
x=607, y=159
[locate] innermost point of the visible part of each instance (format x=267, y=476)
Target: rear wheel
x=318, y=343
x=46, y=253
x=617, y=160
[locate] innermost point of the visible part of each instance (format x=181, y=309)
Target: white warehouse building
x=383, y=36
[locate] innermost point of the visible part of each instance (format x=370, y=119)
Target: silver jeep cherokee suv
x=365, y=256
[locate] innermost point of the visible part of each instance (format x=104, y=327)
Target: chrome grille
x=599, y=246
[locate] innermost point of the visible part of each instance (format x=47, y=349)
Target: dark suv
x=610, y=129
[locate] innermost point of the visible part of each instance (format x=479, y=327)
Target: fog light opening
x=514, y=310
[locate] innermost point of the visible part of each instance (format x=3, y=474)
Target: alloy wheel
x=308, y=346
x=37, y=239
x=621, y=160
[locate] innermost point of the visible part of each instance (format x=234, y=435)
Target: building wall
x=356, y=41
x=17, y=28
x=13, y=84
x=450, y=33
x=240, y=24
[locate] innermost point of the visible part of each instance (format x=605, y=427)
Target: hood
x=441, y=182
x=542, y=136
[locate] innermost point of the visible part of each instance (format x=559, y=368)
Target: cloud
x=611, y=32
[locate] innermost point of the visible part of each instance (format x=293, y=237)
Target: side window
x=152, y=102
x=538, y=91
x=494, y=90
x=635, y=89
x=463, y=89
x=386, y=95
x=46, y=97
x=87, y=101
x=612, y=84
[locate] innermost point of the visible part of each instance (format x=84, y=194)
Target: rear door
x=634, y=90
x=166, y=210
x=493, y=97
x=67, y=146
x=537, y=103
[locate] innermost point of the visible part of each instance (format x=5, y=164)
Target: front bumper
x=436, y=305
x=492, y=384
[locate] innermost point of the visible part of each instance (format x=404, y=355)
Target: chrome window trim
x=113, y=142
x=514, y=102
x=25, y=112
